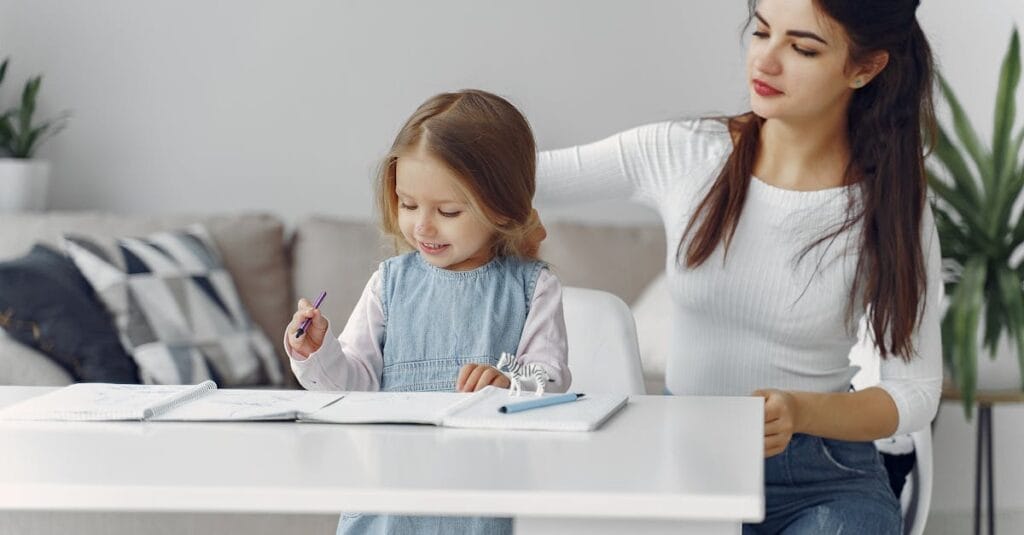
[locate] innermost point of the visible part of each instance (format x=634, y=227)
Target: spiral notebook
x=200, y=402
x=478, y=410
x=205, y=402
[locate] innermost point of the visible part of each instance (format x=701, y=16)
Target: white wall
x=188, y=105
x=286, y=106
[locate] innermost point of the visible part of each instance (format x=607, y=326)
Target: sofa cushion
x=653, y=313
x=337, y=256
x=46, y=304
x=23, y=366
x=176, y=308
x=617, y=259
x=251, y=244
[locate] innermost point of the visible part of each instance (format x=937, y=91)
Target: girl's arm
x=907, y=397
x=543, y=341
x=353, y=360
x=639, y=164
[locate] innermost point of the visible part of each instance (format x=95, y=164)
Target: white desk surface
x=660, y=458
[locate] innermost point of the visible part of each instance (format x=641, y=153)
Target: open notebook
x=204, y=402
x=478, y=410
x=200, y=402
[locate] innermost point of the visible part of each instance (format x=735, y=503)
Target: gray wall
x=203, y=106
x=287, y=106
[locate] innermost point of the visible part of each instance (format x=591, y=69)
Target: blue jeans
x=820, y=485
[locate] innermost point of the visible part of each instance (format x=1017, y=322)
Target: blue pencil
x=539, y=402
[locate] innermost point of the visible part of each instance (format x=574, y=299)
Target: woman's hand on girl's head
x=313, y=337
x=473, y=377
x=780, y=416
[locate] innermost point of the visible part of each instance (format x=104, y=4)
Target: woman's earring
x=858, y=82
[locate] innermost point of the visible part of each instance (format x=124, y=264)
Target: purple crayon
x=305, y=324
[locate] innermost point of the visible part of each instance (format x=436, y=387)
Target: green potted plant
x=975, y=189
x=23, y=179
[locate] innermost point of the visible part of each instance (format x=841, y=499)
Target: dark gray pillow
x=47, y=304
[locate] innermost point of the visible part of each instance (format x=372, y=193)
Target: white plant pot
x=23, y=185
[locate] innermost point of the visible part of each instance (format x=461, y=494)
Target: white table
x=661, y=465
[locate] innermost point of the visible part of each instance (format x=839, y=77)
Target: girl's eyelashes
x=761, y=35
x=407, y=206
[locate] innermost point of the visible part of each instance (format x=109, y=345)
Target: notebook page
x=102, y=401
x=584, y=414
x=388, y=407
x=241, y=404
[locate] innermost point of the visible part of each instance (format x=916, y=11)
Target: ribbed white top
x=762, y=318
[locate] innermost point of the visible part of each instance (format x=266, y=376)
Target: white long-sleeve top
x=354, y=360
x=760, y=318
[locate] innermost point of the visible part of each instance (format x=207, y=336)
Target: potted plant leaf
x=24, y=180
x=975, y=189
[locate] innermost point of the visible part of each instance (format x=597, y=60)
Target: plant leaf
x=955, y=243
x=950, y=158
x=993, y=319
x=968, y=214
x=1013, y=302
x=965, y=309
x=1009, y=76
x=1014, y=186
x=33, y=136
x=968, y=137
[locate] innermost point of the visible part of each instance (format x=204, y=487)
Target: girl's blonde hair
x=488, y=144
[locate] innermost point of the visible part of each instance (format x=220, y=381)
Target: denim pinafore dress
x=435, y=322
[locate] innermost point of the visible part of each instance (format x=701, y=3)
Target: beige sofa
x=271, y=266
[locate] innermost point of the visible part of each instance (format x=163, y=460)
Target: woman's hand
x=473, y=377
x=313, y=337
x=781, y=412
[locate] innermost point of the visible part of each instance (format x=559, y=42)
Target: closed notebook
x=478, y=410
x=200, y=402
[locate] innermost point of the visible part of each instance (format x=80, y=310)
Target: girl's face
x=435, y=217
x=796, y=62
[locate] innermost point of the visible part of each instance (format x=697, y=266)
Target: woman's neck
x=806, y=156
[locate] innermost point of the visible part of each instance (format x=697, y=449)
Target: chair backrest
x=917, y=493
x=604, y=356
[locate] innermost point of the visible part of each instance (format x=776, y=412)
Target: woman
x=786, y=226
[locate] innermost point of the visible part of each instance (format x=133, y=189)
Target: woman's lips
x=765, y=90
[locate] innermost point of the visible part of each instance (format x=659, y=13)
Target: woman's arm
x=354, y=360
x=907, y=397
x=543, y=341
x=638, y=164
x=916, y=386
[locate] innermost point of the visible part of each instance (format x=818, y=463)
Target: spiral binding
x=509, y=366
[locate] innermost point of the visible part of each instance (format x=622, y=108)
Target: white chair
x=604, y=356
x=917, y=493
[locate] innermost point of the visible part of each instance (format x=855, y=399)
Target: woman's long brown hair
x=885, y=121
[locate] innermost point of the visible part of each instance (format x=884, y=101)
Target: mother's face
x=796, y=62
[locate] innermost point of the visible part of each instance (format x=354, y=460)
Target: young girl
x=787, y=225
x=457, y=189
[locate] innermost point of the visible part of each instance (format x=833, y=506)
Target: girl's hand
x=473, y=377
x=313, y=337
x=780, y=417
